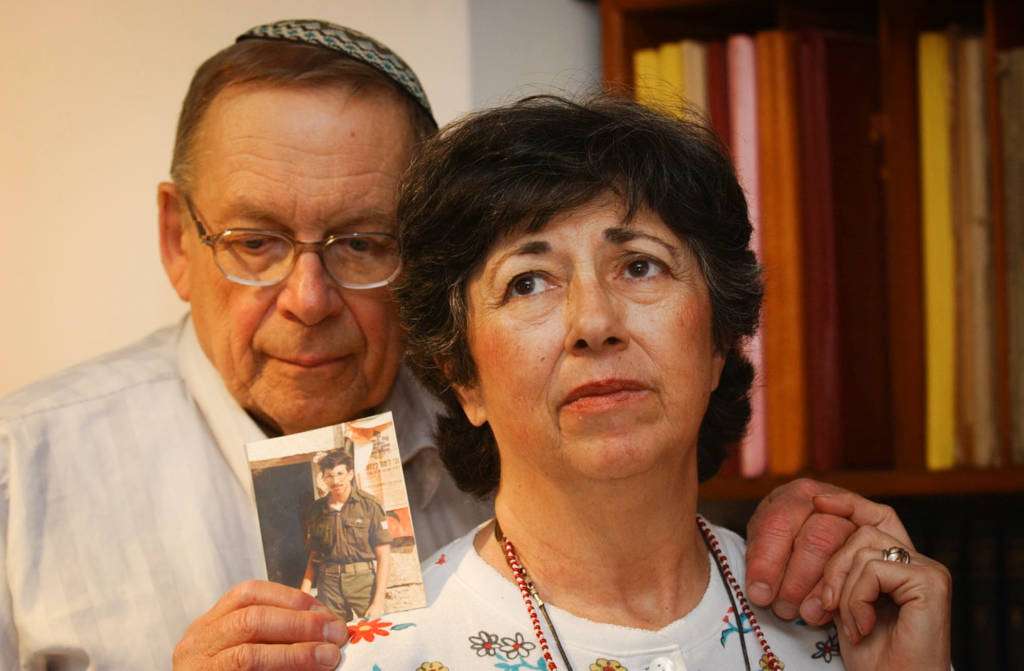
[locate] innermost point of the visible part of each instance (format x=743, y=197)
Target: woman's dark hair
x=510, y=170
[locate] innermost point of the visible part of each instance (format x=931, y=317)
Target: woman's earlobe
x=717, y=366
x=469, y=395
x=472, y=403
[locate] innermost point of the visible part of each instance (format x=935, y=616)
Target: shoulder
x=367, y=499
x=152, y=360
x=457, y=559
x=730, y=543
x=317, y=506
x=414, y=411
x=133, y=399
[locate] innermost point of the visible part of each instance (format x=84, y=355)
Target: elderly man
x=126, y=505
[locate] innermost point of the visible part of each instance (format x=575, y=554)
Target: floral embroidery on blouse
x=730, y=621
x=484, y=644
x=510, y=653
x=828, y=648
x=603, y=664
x=367, y=630
x=516, y=646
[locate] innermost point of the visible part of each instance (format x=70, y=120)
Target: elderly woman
x=577, y=284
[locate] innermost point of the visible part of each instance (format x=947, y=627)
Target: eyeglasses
x=264, y=258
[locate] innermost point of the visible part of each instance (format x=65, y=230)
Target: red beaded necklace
x=529, y=594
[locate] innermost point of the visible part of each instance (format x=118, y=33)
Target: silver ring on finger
x=896, y=553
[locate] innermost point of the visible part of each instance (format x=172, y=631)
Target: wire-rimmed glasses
x=262, y=258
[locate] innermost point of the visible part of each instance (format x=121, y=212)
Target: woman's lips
x=603, y=395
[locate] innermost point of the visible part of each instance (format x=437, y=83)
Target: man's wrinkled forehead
x=302, y=126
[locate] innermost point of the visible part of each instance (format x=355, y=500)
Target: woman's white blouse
x=476, y=619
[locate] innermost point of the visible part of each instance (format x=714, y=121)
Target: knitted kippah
x=352, y=43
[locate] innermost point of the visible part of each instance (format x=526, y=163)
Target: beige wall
x=91, y=93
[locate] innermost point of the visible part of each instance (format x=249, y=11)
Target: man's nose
x=309, y=294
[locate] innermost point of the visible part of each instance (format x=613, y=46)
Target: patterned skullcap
x=347, y=41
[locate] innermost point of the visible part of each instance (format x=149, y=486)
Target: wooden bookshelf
x=879, y=484
x=628, y=25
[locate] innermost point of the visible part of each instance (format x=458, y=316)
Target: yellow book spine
x=938, y=249
x=695, y=76
x=670, y=68
x=645, y=76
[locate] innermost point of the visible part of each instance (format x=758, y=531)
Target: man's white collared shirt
x=126, y=508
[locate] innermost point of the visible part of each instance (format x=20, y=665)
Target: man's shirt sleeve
x=380, y=534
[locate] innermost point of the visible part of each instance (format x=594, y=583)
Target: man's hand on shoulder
x=790, y=540
x=262, y=625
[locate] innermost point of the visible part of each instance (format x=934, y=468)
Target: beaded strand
x=773, y=662
x=526, y=588
x=529, y=593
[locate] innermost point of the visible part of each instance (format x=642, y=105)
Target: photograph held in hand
x=334, y=517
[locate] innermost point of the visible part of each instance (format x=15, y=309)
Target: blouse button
x=664, y=664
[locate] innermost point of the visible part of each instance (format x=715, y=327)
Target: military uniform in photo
x=343, y=545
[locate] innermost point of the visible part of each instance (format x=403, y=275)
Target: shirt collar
x=413, y=408
x=414, y=411
x=231, y=425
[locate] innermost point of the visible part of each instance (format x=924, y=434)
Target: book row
x=800, y=114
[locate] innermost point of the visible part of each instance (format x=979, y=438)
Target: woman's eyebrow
x=620, y=234
x=528, y=248
x=531, y=247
